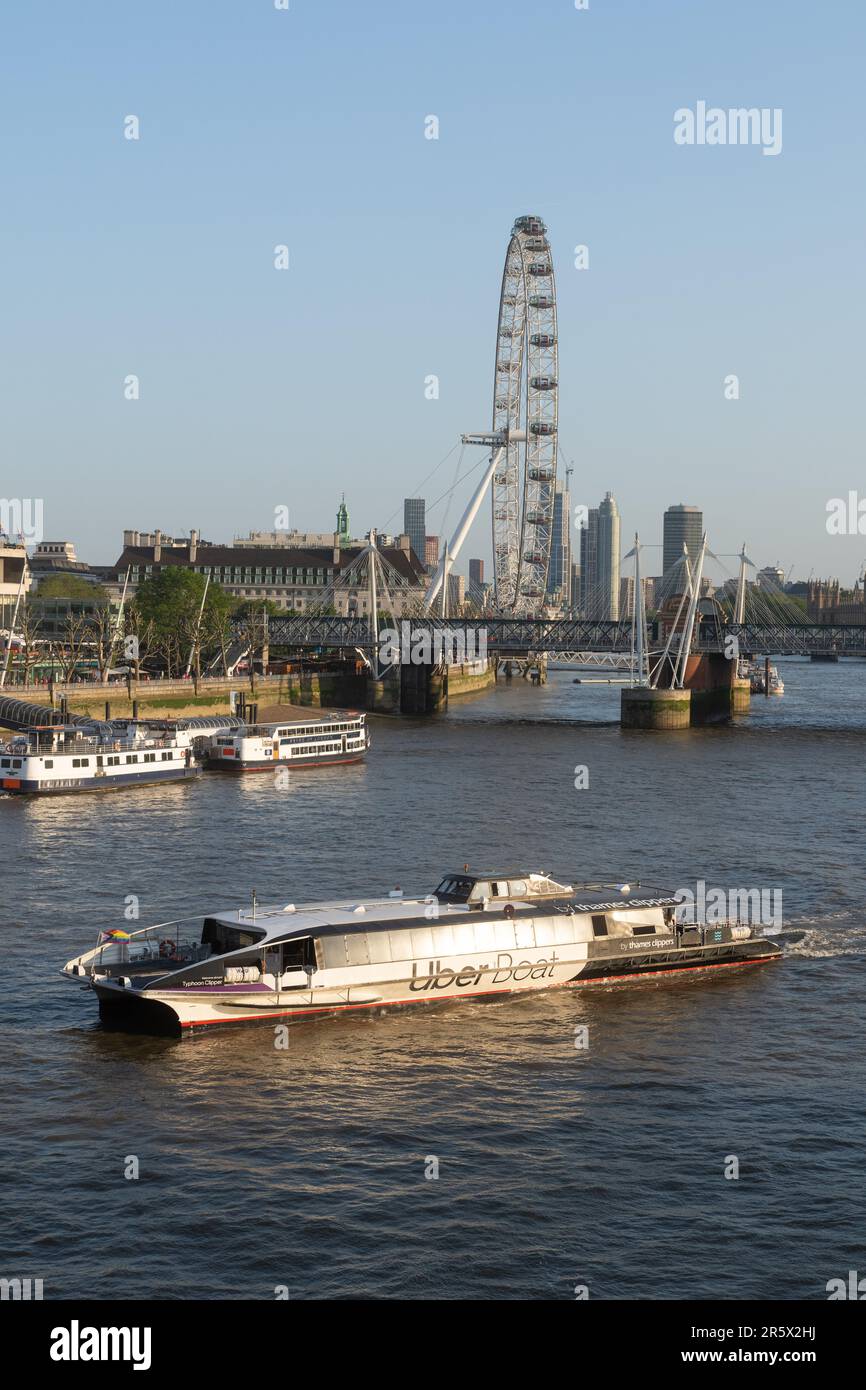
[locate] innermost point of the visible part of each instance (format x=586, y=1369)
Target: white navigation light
x=625, y=888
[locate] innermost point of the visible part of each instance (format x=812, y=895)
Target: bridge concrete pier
x=643, y=708
x=383, y=695
x=713, y=681
x=713, y=693
x=423, y=689
x=741, y=695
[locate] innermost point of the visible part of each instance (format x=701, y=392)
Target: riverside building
x=297, y=578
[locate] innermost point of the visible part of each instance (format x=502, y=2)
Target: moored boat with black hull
x=476, y=936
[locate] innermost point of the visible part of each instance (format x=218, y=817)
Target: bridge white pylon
x=498, y=444
x=640, y=671
x=689, y=601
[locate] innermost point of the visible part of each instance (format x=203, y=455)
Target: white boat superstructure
x=476, y=935
x=763, y=679
x=333, y=738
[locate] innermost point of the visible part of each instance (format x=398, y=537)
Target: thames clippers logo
x=504, y=971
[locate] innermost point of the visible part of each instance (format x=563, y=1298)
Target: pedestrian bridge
x=554, y=637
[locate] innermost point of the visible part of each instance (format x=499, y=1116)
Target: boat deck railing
x=76, y=746
x=152, y=945
x=311, y=726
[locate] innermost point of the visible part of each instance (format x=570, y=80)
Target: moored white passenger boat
x=52, y=759
x=477, y=935
x=758, y=673
x=333, y=738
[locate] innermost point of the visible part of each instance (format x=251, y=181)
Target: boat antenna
x=254, y=904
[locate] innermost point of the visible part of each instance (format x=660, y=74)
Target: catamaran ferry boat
x=55, y=758
x=335, y=738
x=476, y=935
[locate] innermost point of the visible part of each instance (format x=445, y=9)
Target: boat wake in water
x=832, y=934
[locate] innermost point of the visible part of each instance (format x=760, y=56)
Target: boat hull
x=179, y=1011
x=19, y=786
x=237, y=765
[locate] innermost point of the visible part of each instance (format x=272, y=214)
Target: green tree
x=170, y=602
x=70, y=586
x=246, y=606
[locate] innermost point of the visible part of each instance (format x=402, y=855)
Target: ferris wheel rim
x=525, y=402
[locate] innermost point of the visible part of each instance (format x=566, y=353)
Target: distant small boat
x=757, y=677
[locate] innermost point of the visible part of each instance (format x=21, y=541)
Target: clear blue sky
x=261, y=388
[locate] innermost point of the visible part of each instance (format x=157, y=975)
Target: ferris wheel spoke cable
x=418, y=486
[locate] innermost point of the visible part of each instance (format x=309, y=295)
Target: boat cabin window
x=372, y=947
x=455, y=890
x=599, y=924
x=221, y=937
x=297, y=954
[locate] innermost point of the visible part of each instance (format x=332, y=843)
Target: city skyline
x=600, y=575
x=127, y=264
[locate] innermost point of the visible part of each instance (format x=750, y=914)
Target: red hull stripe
x=476, y=993
x=285, y=762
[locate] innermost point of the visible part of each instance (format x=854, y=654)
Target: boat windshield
x=455, y=890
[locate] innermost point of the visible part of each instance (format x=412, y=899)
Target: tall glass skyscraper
x=599, y=561
x=558, y=575
x=415, y=525
x=589, y=564
x=683, y=526
x=607, y=586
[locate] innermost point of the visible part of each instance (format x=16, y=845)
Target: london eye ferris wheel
x=521, y=473
x=525, y=406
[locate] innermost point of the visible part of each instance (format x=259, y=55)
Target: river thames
x=558, y=1166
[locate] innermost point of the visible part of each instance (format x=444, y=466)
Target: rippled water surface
x=557, y=1166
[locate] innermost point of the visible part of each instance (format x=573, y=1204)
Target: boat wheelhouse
x=335, y=738
x=476, y=935
x=55, y=758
